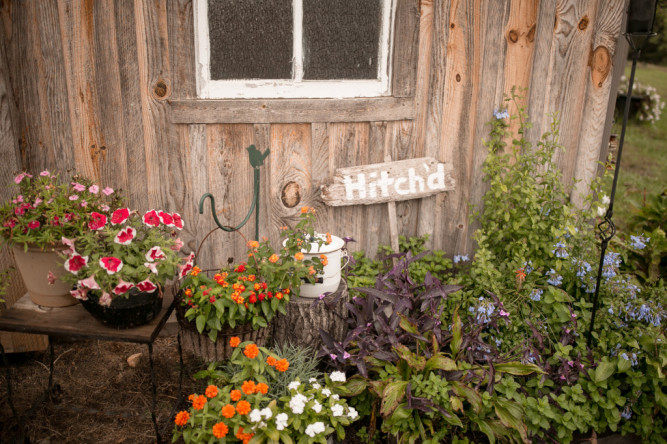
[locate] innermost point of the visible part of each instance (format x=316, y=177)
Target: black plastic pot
x=137, y=309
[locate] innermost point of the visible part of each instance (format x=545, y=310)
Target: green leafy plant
x=47, y=208
x=255, y=291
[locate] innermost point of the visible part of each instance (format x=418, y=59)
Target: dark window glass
x=250, y=39
x=341, y=38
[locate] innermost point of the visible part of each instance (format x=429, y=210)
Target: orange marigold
x=262, y=388
x=282, y=365
x=234, y=341
x=274, y=258
x=271, y=360
x=298, y=256
x=235, y=395
x=220, y=430
x=211, y=391
x=243, y=407
x=199, y=402
x=228, y=411
x=248, y=387
x=195, y=270
x=251, y=351
x=182, y=418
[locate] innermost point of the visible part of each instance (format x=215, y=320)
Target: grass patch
x=644, y=162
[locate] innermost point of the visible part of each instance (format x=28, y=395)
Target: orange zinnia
x=228, y=411
x=271, y=360
x=298, y=256
x=262, y=388
x=211, y=391
x=234, y=341
x=192, y=397
x=248, y=387
x=199, y=402
x=274, y=258
x=182, y=418
x=235, y=395
x=243, y=407
x=282, y=365
x=220, y=430
x=251, y=351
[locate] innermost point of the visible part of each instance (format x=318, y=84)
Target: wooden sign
x=388, y=182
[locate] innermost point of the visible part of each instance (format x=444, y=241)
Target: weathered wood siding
x=96, y=86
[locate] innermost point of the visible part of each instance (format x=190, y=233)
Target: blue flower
x=610, y=264
x=461, y=258
x=639, y=242
x=536, y=294
x=554, y=278
x=627, y=413
x=528, y=267
x=625, y=356
x=501, y=114
x=560, y=251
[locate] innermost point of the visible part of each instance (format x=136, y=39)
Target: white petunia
x=326, y=392
x=317, y=407
x=298, y=403
x=352, y=413
x=294, y=385
x=266, y=413
x=314, y=429
x=316, y=386
x=337, y=376
x=255, y=416
x=337, y=410
x=281, y=421
x=335, y=397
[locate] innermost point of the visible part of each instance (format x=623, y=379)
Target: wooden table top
x=74, y=321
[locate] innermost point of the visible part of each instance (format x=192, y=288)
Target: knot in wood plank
x=291, y=194
x=600, y=66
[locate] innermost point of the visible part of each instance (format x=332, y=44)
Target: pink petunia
x=78, y=187
x=75, y=263
x=74, y=197
x=79, y=293
x=69, y=243
x=146, y=286
x=94, y=189
x=123, y=287
x=151, y=219
x=37, y=202
x=105, y=299
x=89, y=283
x=166, y=218
x=119, y=216
x=44, y=173
x=20, y=177
x=111, y=264
x=84, y=204
x=33, y=225
x=125, y=236
x=152, y=266
x=97, y=221
x=178, y=222
x=107, y=191
x=105, y=207
x=185, y=269
x=155, y=254
x=178, y=244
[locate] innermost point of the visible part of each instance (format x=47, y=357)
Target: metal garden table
x=75, y=322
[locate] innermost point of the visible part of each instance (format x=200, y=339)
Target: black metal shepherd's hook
x=256, y=160
x=640, y=25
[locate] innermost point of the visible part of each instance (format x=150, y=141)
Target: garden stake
x=256, y=160
x=607, y=227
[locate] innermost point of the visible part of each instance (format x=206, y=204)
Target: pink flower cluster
x=76, y=262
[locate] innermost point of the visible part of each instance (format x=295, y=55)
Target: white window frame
x=296, y=87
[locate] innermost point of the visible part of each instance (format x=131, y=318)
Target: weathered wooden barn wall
x=97, y=84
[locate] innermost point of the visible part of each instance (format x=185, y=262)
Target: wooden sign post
x=388, y=182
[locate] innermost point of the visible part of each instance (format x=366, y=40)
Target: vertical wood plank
x=182, y=48
x=401, y=147
x=376, y=232
x=597, y=102
x=563, y=84
x=262, y=140
x=76, y=33
x=155, y=83
x=406, y=35
x=321, y=171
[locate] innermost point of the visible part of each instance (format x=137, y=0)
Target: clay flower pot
x=35, y=265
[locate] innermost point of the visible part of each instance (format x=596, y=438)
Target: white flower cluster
x=314, y=429
x=298, y=403
x=256, y=415
x=337, y=376
x=651, y=106
x=281, y=421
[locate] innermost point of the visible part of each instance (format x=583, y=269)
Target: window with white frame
x=293, y=48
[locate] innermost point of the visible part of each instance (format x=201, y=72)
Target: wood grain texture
x=181, y=49
x=291, y=110
x=321, y=172
x=561, y=85
x=406, y=48
x=597, y=101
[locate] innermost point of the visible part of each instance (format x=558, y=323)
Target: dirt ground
x=98, y=396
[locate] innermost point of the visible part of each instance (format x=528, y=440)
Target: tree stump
x=306, y=316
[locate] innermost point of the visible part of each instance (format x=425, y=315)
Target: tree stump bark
x=306, y=316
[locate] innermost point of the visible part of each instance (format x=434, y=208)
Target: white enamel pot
x=332, y=271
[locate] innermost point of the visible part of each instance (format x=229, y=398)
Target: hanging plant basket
x=137, y=309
